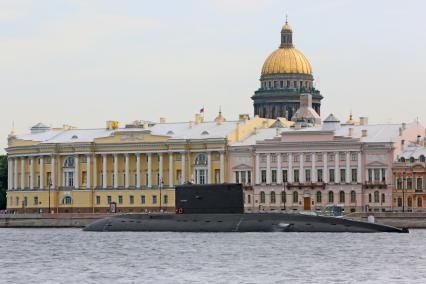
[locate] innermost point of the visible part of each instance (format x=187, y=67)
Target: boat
x=220, y=208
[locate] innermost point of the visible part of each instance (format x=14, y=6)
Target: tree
x=3, y=181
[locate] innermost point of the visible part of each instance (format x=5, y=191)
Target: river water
x=74, y=256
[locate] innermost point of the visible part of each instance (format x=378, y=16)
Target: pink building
x=310, y=168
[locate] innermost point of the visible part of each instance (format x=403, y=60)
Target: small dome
x=286, y=27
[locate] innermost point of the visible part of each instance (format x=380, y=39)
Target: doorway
x=307, y=203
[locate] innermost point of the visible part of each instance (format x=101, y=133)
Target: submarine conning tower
x=210, y=199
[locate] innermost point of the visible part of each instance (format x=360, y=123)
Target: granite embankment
x=411, y=220
x=65, y=220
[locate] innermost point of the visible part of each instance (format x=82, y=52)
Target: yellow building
x=133, y=169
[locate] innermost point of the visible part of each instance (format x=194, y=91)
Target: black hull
x=252, y=222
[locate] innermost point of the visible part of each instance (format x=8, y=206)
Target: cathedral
x=286, y=75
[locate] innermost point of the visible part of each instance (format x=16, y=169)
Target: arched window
x=201, y=160
x=409, y=202
x=273, y=197
x=262, y=197
x=419, y=202
x=205, y=132
x=412, y=159
x=295, y=197
x=353, y=196
x=402, y=159
x=283, y=197
x=422, y=158
x=69, y=168
x=330, y=197
x=67, y=200
x=69, y=162
x=419, y=184
x=319, y=197
x=376, y=197
x=369, y=198
x=342, y=196
x=383, y=198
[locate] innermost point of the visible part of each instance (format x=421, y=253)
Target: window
x=422, y=159
x=370, y=175
x=409, y=202
x=308, y=158
x=120, y=199
x=165, y=199
x=296, y=158
x=243, y=177
x=285, y=158
x=263, y=172
x=131, y=199
x=369, y=198
x=296, y=175
x=354, y=175
x=342, y=157
x=376, y=197
x=342, y=175
x=283, y=197
x=98, y=199
x=383, y=175
x=354, y=157
x=295, y=197
x=319, y=197
x=274, y=176
x=330, y=197
x=342, y=196
x=319, y=157
x=237, y=177
x=274, y=158
x=383, y=198
x=249, y=198
x=412, y=159
x=272, y=197
x=308, y=175
x=262, y=197
x=419, y=202
x=285, y=176
x=263, y=158
x=35, y=200
x=249, y=177
x=67, y=200
x=419, y=184
x=142, y=199
x=409, y=183
x=376, y=175
x=399, y=202
x=17, y=201
x=331, y=175
x=201, y=160
x=109, y=199
x=353, y=196
x=319, y=175
x=154, y=199
x=331, y=157
x=399, y=183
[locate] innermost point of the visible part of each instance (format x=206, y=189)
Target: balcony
x=375, y=184
x=302, y=185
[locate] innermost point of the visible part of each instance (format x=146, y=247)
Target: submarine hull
x=249, y=222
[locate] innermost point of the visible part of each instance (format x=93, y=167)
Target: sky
x=84, y=62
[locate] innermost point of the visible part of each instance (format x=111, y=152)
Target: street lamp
x=160, y=186
x=49, y=186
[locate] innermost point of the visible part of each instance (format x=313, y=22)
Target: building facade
x=286, y=74
x=132, y=169
x=346, y=165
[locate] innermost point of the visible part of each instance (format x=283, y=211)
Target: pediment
x=132, y=137
x=242, y=167
x=376, y=164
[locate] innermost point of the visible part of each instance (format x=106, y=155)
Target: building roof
x=413, y=150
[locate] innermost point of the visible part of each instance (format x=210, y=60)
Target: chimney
x=404, y=126
x=418, y=139
x=351, y=132
x=400, y=131
x=363, y=120
x=162, y=120
x=364, y=133
x=402, y=143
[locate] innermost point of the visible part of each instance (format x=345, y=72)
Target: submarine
x=220, y=208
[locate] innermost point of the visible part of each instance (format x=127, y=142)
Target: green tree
x=3, y=181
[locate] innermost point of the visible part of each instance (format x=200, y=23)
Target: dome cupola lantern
x=286, y=35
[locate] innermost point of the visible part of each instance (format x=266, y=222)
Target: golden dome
x=286, y=60
x=286, y=27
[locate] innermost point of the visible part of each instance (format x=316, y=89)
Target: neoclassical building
x=132, y=169
x=344, y=164
x=286, y=74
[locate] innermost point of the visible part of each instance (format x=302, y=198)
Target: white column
x=290, y=168
x=209, y=167
x=149, y=170
x=257, y=168
x=52, y=172
x=359, y=168
x=314, y=167
x=104, y=171
x=15, y=173
x=126, y=170
x=160, y=168
x=348, y=167
x=41, y=172
x=88, y=171
x=115, y=170
x=268, y=168
x=76, y=173
x=32, y=173
x=183, y=157
x=380, y=176
x=325, y=168
x=336, y=167
x=95, y=171
x=279, y=170
x=58, y=182
x=222, y=167
x=9, y=174
x=138, y=170
x=302, y=167
x=171, y=169
x=22, y=173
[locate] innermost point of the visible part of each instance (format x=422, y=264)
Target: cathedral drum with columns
x=286, y=74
